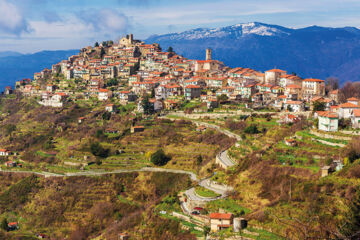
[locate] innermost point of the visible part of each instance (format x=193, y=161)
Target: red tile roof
x=192, y=86
x=276, y=70
x=357, y=112
x=313, y=80
x=327, y=114
x=221, y=215
x=348, y=105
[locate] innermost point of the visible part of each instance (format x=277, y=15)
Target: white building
x=56, y=100
x=104, y=94
x=328, y=121
x=294, y=106
x=355, y=118
x=346, y=109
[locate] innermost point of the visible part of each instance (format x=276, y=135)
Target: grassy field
x=206, y=193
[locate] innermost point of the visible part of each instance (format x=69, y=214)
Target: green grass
x=203, y=192
x=263, y=235
x=229, y=205
x=307, y=134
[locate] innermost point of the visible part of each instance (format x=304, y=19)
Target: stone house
x=192, y=91
x=273, y=76
x=220, y=221
x=135, y=129
x=312, y=88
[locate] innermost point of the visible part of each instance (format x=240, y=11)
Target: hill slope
x=310, y=52
x=14, y=68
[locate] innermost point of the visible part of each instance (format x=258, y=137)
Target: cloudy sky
x=32, y=25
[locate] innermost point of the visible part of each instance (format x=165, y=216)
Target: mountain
x=16, y=67
x=9, y=54
x=317, y=52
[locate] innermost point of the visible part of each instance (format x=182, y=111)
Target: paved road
x=206, y=183
x=223, y=156
x=190, y=193
x=93, y=173
x=225, y=159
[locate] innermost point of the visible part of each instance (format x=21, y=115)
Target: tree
x=332, y=83
x=252, y=129
x=152, y=93
x=102, y=52
x=319, y=106
x=98, y=151
x=199, y=160
x=159, y=158
x=9, y=128
x=112, y=82
x=350, y=89
x=147, y=106
x=222, y=98
x=170, y=50
x=289, y=108
x=4, y=224
x=106, y=115
x=96, y=44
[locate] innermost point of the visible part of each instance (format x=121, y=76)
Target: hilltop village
x=218, y=152
x=130, y=70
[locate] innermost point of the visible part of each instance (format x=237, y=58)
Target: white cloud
x=108, y=20
x=11, y=19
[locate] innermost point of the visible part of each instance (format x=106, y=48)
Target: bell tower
x=208, y=54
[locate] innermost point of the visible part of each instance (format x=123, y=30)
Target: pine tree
x=147, y=106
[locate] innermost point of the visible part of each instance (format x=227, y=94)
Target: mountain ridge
x=15, y=68
x=312, y=51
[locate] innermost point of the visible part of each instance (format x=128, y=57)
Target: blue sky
x=34, y=25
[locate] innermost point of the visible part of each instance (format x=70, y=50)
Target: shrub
x=159, y=158
x=232, y=125
x=98, y=151
x=252, y=129
x=106, y=115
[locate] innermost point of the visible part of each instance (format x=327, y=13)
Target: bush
x=98, y=151
x=159, y=158
x=252, y=129
x=232, y=125
x=106, y=116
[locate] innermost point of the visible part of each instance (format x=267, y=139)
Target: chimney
x=208, y=54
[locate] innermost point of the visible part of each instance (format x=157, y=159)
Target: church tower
x=208, y=54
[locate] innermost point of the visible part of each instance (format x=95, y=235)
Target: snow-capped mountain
x=234, y=31
x=314, y=51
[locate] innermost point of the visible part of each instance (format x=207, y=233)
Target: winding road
x=190, y=193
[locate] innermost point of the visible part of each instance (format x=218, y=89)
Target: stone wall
x=325, y=135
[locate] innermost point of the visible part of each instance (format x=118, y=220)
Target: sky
x=29, y=26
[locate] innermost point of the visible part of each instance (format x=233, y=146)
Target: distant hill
x=317, y=52
x=9, y=54
x=16, y=67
